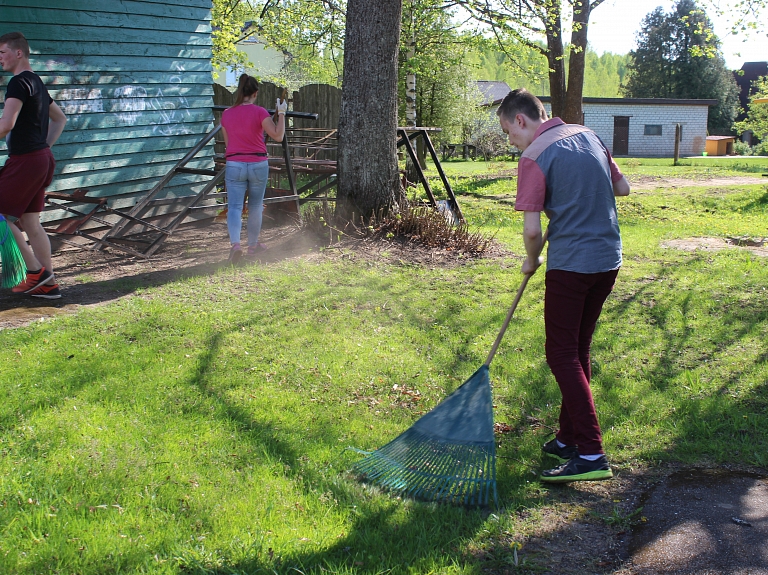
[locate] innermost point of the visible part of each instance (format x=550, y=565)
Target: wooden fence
x=321, y=99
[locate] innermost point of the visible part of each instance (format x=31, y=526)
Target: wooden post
x=677, y=143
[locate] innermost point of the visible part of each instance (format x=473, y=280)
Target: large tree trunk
x=555, y=59
x=367, y=155
x=572, y=112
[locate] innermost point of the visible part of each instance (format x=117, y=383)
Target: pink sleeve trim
x=616, y=174
x=531, y=187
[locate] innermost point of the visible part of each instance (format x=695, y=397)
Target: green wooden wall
x=134, y=79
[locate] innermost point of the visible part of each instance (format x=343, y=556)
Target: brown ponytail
x=246, y=87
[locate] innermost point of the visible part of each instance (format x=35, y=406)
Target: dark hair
x=247, y=86
x=15, y=41
x=521, y=101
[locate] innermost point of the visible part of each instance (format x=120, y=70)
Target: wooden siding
x=134, y=79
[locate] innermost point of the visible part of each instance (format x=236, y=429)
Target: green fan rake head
x=14, y=268
x=448, y=455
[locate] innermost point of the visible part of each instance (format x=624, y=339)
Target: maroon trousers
x=572, y=304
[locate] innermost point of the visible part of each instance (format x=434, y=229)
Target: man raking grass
x=566, y=172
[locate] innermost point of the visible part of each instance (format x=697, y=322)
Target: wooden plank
x=93, y=179
x=163, y=122
x=42, y=49
x=115, y=5
x=104, y=34
x=79, y=100
x=115, y=64
x=80, y=137
x=84, y=141
x=85, y=150
x=174, y=20
x=132, y=162
x=136, y=99
x=198, y=10
x=125, y=194
x=80, y=79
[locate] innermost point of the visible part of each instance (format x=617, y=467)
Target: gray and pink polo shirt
x=568, y=174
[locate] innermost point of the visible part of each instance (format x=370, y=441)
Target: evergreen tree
x=678, y=56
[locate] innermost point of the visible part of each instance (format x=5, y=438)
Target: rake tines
x=448, y=455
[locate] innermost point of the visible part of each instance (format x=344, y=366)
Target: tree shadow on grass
x=704, y=409
x=374, y=539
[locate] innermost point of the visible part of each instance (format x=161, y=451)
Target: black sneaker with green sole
x=564, y=453
x=578, y=469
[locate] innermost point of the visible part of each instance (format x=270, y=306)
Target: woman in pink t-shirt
x=244, y=126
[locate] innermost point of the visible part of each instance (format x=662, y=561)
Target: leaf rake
x=449, y=454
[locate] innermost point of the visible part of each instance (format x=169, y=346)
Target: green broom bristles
x=14, y=268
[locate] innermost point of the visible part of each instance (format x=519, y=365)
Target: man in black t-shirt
x=31, y=123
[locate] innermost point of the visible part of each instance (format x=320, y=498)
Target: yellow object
x=719, y=145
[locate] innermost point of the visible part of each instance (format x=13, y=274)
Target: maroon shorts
x=23, y=180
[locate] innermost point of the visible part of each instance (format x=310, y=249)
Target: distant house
x=645, y=127
x=493, y=92
x=265, y=60
x=630, y=126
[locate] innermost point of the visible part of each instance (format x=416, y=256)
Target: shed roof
x=493, y=92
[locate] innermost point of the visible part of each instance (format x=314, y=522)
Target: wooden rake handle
x=511, y=311
x=505, y=325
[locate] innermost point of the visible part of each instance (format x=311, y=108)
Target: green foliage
x=228, y=19
x=742, y=148
x=520, y=66
x=678, y=56
x=310, y=35
x=435, y=51
x=757, y=114
x=603, y=74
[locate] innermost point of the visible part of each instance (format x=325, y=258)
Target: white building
x=645, y=127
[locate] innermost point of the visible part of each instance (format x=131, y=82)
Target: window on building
x=652, y=130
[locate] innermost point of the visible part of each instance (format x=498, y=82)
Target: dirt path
x=653, y=182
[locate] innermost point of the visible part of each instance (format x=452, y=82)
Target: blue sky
x=613, y=25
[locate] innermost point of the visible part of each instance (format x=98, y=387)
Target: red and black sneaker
x=46, y=291
x=33, y=280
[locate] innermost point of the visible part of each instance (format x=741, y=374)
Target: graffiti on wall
x=128, y=104
x=80, y=101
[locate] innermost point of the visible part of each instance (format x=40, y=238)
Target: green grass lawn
x=203, y=426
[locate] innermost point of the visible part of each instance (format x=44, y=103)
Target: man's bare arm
x=532, y=238
x=56, y=122
x=10, y=115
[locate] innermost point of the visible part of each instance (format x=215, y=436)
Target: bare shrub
x=419, y=224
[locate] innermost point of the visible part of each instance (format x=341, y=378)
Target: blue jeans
x=239, y=177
